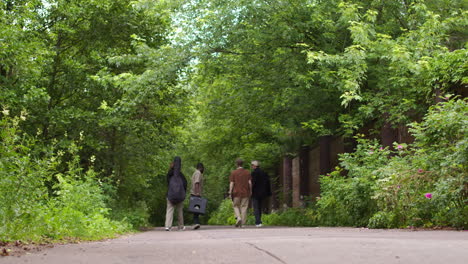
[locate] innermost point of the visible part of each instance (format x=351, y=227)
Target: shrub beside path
x=222, y=244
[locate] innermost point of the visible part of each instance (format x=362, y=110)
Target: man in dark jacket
x=261, y=189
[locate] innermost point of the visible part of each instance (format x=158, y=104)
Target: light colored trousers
x=240, y=208
x=170, y=214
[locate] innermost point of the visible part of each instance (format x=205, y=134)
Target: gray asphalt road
x=269, y=245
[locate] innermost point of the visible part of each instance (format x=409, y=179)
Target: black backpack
x=176, y=190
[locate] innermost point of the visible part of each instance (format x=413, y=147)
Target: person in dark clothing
x=261, y=189
x=175, y=171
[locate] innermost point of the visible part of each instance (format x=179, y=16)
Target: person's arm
x=253, y=178
x=231, y=187
x=196, y=189
x=197, y=176
x=250, y=184
x=184, y=180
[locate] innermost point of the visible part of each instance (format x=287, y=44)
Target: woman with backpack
x=176, y=189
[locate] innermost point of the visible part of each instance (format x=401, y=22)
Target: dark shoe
x=197, y=226
x=238, y=223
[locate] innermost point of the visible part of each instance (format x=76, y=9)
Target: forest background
x=98, y=96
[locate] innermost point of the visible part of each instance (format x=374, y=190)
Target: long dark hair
x=200, y=167
x=177, y=166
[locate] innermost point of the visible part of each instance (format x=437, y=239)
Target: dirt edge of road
x=20, y=248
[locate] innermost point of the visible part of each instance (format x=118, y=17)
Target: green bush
x=291, y=217
x=345, y=201
x=78, y=210
x=451, y=203
x=421, y=184
x=435, y=164
x=382, y=220
x=136, y=216
x=224, y=215
x=348, y=201
x=44, y=192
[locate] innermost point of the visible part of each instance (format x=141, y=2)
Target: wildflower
x=371, y=152
x=400, y=147
x=420, y=170
x=5, y=111
x=428, y=195
x=23, y=115
x=398, y=186
x=381, y=148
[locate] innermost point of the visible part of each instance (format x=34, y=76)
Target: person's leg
x=244, y=207
x=196, y=221
x=196, y=218
x=257, y=206
x=169, y=214
x=260, y=209
x=236, y=203
x=180, y=215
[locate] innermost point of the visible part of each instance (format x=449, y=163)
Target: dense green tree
x=274, y=75
x=103, y=72
x=137, y=82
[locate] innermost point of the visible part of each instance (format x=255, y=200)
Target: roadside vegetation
x=97, y=97
x=417, y=185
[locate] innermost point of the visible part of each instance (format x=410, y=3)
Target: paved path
x=269, y=245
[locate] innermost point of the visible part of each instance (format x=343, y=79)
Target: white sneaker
x=168, y=229
x=259, y=225
x=181, y=228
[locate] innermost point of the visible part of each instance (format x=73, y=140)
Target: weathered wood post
x=304, y=171
x=287, y=181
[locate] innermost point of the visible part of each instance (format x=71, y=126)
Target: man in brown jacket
x=240, y=189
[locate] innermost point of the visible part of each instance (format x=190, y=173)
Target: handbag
x=197, y=205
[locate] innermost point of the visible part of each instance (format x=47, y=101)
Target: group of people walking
x=177, y=188
x=243, y=185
